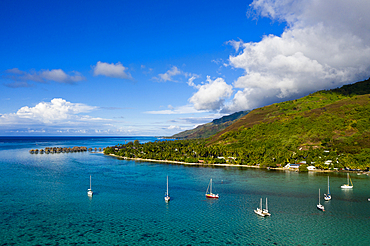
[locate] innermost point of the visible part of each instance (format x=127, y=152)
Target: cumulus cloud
x=111, y=70
x=325, y=45
x=56, y=110
x=21, y=78
x=211, y=95
x=55, y=116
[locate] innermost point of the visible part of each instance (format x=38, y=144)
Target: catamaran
x=327, y=197
x=319, y=206
x=167, y=195
x=89, y=191
x=210, y=194
x=347, y=186
x=262, y=212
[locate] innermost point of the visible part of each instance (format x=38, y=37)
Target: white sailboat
x=327, y=197
x=262, y=212
x=259, y=210
x=347, y=186
x=266, y=210
x=210, y=194
x=167, y=195
x=89, y=191
x=319, y=206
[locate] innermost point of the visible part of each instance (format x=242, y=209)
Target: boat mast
x=328, y=186
x=319, y=197
x=167, y=185
x=266, y=204
x=90, y=182
x=210, y=187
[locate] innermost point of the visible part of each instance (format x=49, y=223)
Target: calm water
x=43, y=201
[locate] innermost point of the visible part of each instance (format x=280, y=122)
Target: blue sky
x=160, y=67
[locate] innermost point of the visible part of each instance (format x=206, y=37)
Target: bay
x=43, y=201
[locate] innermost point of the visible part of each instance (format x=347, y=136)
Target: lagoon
x=43, y=201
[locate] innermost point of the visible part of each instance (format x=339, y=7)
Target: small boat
x=167, y=195
x=210, y=194
x=262, y=212
x=266, y=210
x=347, y=186
x=327, y=197
x=89, y=191
x=319, y=206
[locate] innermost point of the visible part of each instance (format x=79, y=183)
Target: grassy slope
x=337, y=119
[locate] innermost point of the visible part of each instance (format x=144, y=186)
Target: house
x=292, y=166
x=311, y=168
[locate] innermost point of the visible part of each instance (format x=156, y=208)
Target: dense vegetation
x=190, y=151
x=209, y=129
x=328, y=129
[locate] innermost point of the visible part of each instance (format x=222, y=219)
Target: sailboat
x=210, y=194
x=89, y=191
x=259, y=210
x=167, y=195
x=319, y=206
x=262, y=212
x=347, y=186
x=266, y=210
x=327, y=197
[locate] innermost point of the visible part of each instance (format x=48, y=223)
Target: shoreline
x=226, y=165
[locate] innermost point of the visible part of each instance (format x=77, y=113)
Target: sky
x=156, y=68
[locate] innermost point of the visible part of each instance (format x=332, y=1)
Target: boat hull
x=90, y=192
x=320, y=207
x=259, y=212
x=266, y=213
x=346, y=186
x=327, y=197
x=212, y=196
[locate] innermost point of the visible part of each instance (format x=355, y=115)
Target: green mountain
x=328, y=129
x=209, y=129
x=336, y=120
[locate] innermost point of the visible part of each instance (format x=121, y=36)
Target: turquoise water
x=43, y=201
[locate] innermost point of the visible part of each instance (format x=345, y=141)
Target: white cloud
x=168, y=76
x=55, y=116
x=56, y=110
x=191, y=81
x=211, y=96
x=325, y=45
x=111, y=70
x=236, y=44
x=58, y=75
x=173, y=127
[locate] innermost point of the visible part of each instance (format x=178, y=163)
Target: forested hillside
x=209, y=129
x=327, y=126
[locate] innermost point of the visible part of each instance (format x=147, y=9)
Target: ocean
x=43, y=201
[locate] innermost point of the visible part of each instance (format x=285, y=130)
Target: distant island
x=328, y=129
